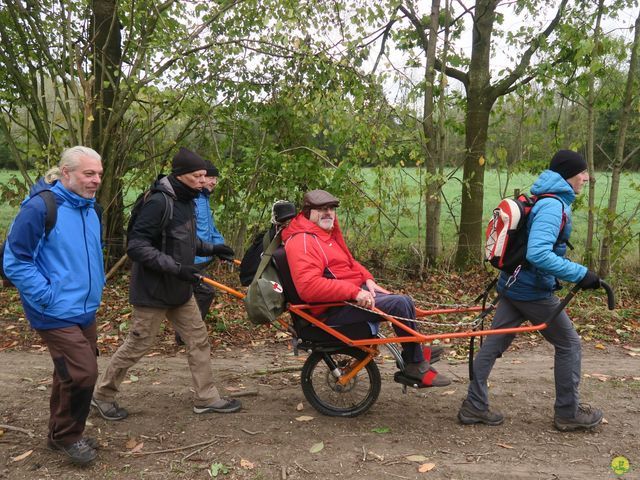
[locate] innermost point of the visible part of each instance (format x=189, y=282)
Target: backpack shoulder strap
x=167, y=216
x=268, y=254
x=51, y=214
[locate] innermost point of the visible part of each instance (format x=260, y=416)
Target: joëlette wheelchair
x=339, y=377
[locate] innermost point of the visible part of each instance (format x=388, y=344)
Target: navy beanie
x=186, y=161
x=212, y=171
x=567, y=163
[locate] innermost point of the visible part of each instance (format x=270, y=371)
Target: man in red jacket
x=324, y=271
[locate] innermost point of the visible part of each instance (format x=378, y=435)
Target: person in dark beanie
x=161, y=286
x=531, y=297
x=207, y=232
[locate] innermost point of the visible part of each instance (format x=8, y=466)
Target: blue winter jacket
x=60, y=278
x=547, y=245
x=205, y=224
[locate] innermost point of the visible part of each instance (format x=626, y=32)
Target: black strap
x=51, y=213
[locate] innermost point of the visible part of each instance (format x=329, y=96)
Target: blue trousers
x=393, y=304
x=560, y=333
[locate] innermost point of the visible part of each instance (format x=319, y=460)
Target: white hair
x=70, y=158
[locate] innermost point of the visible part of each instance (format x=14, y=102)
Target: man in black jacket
x=162, y=281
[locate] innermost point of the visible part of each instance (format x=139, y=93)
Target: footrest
x=401, y=378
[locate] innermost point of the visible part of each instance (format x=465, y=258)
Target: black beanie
x=567, y=163
x=212, y=171
x=185, y=161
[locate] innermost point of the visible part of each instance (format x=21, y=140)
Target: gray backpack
x=265, y=300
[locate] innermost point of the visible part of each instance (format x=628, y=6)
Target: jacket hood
x=68, y=196
x=301, y=224
x=40, y=186
x=552, y=182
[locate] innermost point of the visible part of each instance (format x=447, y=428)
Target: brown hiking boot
x=586, y=417
x=468, y=415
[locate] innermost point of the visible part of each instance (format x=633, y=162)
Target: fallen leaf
x=426, y=467
x=246, y=464
x=448, y=392
x=299, y=407
x=131, y=443
x=232, y=389
x=22, y=456
x=605, y=421
x=304, y=418
x=137, y=448
x=504, y=445
x=416, y=458
x=316, y=447
x=600, y=346
x=133, y=378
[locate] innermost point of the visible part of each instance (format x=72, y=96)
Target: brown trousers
x=146, y=321
x=73, y=351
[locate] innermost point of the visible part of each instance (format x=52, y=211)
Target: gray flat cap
x=319, y=198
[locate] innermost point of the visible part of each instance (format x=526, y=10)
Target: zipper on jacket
x=86, y=249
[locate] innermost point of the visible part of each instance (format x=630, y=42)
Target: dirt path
x=266, y=441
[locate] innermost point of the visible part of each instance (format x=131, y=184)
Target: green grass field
x=410, y=209
x=496, y=187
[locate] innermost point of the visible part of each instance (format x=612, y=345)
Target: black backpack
x=50, y=219
x=281, y=212
x=167, y=214
x=253, y=255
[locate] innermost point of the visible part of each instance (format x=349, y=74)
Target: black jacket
x=153, y=277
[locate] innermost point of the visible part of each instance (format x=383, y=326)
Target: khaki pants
x=187, y=322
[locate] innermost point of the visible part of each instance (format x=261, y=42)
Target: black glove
x=590, y=281
x=225, y=252
x=188, y=273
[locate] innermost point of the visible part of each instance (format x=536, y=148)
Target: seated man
x=324, y=271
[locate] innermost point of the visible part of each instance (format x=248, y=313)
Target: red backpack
x=506, y=235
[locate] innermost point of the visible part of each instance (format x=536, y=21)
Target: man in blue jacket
x=207, y=232
x=531, y=297
x=60, y=278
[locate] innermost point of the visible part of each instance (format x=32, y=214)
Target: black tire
x=322, y=391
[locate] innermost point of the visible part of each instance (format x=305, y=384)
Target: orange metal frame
x=370, y=345
x=412, y=335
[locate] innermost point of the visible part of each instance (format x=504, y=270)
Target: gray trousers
x=560, y=333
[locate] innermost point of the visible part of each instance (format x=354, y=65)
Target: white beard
x=326, y=223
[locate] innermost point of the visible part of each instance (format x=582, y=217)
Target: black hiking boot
x=79, y=452
x=586, y=417
x=468, y=415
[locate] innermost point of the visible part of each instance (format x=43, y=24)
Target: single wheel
x=322, y=390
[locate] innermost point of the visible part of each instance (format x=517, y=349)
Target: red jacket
x=311, y=252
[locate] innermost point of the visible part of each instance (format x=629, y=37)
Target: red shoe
x=431, y=353
x=428, y=375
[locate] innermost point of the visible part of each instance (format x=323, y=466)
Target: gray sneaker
x=586, y=417
x=224, y=405
x=109, y=410
x=468, y=415
x=79, y=452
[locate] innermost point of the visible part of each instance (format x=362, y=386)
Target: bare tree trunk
x=591, y=122
x=430, y=130
x=619, y=159
x=107, y=56
x=479, y=104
